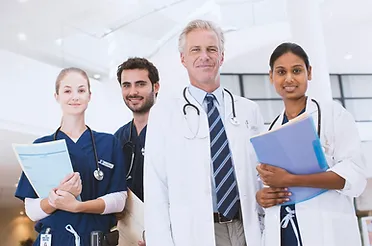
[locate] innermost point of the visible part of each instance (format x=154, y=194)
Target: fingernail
x=285, y=189
x=287, y=199
x=289, y=194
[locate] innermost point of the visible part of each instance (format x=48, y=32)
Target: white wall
x=27, y=98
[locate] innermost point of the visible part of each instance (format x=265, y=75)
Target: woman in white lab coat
x=328, y=219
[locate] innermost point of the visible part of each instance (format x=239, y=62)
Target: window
x=231, y=82
x=354, y=92
x=258, y=87
x=357, y=86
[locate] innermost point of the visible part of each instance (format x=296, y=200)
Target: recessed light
x=21, y=213
x=348, y=56
x=58, y=42
x=22, y=36
x=97, y=76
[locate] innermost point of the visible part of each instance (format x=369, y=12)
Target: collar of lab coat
x=311, y=109
x=192, y=117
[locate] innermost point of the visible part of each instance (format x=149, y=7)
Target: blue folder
x=295, y=147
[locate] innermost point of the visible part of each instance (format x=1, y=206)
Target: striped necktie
x=223, y=170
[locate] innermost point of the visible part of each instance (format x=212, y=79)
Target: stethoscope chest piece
x=234, y=121
x=98, y=174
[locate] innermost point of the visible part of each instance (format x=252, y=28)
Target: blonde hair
x=66, y=71
x=201, y=24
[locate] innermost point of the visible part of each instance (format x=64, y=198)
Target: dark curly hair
x=139, y=63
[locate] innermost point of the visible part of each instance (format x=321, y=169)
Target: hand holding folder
x=295, y=147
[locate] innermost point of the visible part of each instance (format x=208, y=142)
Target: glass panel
x=335, y=86
x=270, y=109
x=231, y=82
x=357, y=85
x=258, y=86
x=359, y=108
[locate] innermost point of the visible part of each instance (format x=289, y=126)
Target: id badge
x=46, y=240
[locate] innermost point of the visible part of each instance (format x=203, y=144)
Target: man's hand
x=274, y=176
x=72, y=184
x=268, y=197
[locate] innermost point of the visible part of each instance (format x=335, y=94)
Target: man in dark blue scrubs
x=139, y=81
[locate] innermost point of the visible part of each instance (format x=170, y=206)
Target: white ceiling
x=98, y=35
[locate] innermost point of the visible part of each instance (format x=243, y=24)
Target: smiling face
x=290, y=76
x=73, y=93
x=202, y=56
x=138, y=91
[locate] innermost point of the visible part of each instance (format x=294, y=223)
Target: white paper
x=44, y=164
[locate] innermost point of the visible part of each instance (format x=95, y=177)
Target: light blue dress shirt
x=199, y=96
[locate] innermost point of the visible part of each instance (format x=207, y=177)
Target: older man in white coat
x=200, y=178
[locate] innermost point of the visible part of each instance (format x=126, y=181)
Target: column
x=307, y=31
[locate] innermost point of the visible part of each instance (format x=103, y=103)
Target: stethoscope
x=129, y=146
x=319, y=117
x=233, y=119
x=98, y=173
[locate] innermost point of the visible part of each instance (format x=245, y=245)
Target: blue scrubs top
x=287, y=235
x=136, y=143
x=83, y=161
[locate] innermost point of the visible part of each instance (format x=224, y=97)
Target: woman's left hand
x=64, y=200
x=273, y=176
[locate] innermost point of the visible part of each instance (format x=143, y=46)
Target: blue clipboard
x=295, y=147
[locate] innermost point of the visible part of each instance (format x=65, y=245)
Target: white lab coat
x=328, y=219
x=177, y=181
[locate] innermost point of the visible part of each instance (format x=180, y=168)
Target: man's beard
x=148, y=103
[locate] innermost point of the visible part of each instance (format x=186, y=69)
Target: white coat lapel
x=312, y=109
x=278, y=121
x=195, y=126
x=235, y=133
x=228, y=109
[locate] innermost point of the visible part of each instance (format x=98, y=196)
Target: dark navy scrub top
x=83, y=161
x=135, y=180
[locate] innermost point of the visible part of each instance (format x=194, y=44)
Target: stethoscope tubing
x=189, y=104
x=127, y=177
x=99, y=172
x=319, y=118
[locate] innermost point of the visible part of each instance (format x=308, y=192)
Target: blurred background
x=40, y=37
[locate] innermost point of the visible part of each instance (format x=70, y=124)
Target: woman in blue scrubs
x=68, y=220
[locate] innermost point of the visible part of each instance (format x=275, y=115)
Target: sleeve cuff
x=114, y=202
x=33, y=209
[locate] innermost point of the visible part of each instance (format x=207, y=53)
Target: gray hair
x=201, y=24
